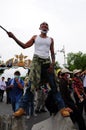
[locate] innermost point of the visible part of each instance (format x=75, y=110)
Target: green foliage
x=23, y=77
x=76, y=61
x=56, y=66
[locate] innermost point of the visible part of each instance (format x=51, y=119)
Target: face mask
x=16, y=76
x=44, y=31
x=68, y=76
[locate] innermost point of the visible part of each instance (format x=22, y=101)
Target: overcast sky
x=66, y=19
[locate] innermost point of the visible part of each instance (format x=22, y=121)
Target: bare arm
x=23, y=45
x=51, y=68
x=52, y=52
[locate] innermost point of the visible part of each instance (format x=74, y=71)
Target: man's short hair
x=44, y=23
x=17, y=73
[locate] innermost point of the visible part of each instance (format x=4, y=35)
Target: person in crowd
x=79, y=92
x=16, y=86
x=83, y=77
x=75, y=114
x=8, y=100
x=30, y=108
x=41, y=96
x=42, y=67
x=2, y=88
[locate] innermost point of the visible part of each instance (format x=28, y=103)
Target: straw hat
x=64, y=70
x=76, y=71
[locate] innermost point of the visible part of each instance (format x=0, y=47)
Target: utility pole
x=62, y=51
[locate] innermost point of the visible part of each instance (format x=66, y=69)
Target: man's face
x=3, y=78
x=78, y=74
x=67, y=75
x=44, y=27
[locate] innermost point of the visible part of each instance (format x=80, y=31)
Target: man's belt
x=43, y=61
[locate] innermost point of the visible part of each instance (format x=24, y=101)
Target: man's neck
x=43, y=35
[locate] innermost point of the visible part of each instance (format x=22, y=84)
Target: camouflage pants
x=35, y=71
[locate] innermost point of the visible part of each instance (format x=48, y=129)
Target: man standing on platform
x=42, y=68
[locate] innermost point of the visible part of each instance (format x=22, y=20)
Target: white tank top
x=42, y=47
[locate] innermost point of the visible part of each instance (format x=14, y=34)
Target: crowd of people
x=15, y=89
x=72, y=86
x=64, y=92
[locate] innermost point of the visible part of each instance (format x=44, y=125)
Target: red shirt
x=78, y=85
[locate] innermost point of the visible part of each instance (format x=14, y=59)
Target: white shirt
x=2, y=85
x=42, y=47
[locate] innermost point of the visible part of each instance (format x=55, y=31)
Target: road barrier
x=8, y=122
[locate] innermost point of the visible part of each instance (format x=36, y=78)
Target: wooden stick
x=4, y=29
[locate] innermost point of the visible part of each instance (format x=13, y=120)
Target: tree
x=76, y=61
